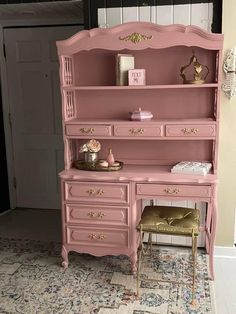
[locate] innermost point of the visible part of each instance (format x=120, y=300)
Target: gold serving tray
x=82, y=165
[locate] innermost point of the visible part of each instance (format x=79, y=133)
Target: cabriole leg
x=64, y=254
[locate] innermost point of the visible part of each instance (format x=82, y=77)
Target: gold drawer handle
x=136, y=131
x=101, y=215
x=93, y=236
x=190, y=131
x=98, y=192
x=96, y=215
x=102, y=237
x=87, y=130
x=172, y=191
x=91, y=192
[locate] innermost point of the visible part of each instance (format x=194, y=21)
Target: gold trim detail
x=136, y=38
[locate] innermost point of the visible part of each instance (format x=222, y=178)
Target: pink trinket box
x=137, y=77
x=141, y=115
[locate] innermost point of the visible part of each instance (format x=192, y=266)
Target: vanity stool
x=172, y=221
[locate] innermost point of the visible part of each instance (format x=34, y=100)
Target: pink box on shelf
x=137, y=77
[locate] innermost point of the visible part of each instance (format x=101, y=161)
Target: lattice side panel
x=70, y=153
x=69, y=105
x=67, y=71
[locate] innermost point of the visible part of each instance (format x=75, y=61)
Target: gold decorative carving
x=136, y=38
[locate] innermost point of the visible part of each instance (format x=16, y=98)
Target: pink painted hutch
x=100, y=210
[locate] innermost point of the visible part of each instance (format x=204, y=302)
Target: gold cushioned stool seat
x=172, y=221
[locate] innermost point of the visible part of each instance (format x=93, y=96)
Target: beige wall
x=227, y=148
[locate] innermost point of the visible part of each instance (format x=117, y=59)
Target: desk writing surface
x=139, y=173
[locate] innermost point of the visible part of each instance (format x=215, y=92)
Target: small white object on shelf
x=137, y=77
x=192, y=167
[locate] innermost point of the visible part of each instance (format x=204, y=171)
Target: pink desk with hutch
x=100, y=210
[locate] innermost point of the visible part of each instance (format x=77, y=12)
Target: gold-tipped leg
x=194, y=255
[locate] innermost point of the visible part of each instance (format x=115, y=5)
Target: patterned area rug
x=32, y=281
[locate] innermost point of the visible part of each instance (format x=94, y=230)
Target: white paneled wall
x=200, y=14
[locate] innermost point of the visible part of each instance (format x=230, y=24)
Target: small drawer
x=97, y=192
x=173, y=190
x=97, y=237
x=88, y=130
x=138, y=130
x=190, y=130
x=97, y=215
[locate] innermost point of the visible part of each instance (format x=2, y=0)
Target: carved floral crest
x=136, y=37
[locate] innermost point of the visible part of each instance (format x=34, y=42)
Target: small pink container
x=137, y=77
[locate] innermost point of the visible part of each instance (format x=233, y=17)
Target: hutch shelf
x=100, y=210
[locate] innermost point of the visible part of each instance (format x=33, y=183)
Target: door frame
x=6, y=108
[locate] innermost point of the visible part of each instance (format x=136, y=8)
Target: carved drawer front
x=138, y=130
x=190, y=130
x=97, y=237
x=88, y=130
x=97, y=192
x=88, y=214
x=173, y=190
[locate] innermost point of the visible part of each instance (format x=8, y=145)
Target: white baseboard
x=6, y=211
x=225, y=251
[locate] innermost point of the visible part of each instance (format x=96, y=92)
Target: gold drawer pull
x=93, y=236
x=101, y=215
x=96, y=215
x=98, y=192
x=190, y=131
x=92, y=214
x=102, y=237
x=172, y=191
x=91, y=192
x=136, y=131
x=87, y=130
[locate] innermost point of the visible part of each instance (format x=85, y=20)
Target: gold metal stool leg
x=140, y=252
x=194, y=253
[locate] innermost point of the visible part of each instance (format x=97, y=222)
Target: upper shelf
x=141, y=87
x=139, y=36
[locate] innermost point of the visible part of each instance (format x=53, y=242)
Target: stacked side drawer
x=97, y=214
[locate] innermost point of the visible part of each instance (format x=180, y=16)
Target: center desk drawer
x=88, y=130
x=190, y=130
x=88, y=214
x=138, y=130
x=97, y=192
x=97, y=237
x=173, y=190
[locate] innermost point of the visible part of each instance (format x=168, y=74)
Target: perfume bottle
x=110, y=158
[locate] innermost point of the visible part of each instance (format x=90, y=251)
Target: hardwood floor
x=44, y=225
